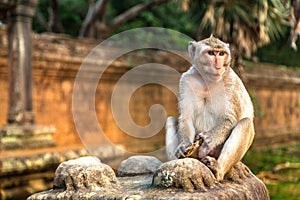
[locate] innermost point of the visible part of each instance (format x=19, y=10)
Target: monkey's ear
x=192, y=48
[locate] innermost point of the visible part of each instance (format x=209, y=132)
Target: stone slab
x=13, y=136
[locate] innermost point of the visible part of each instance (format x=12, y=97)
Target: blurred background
x=263, y=38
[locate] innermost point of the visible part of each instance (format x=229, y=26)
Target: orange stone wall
x=56, y=60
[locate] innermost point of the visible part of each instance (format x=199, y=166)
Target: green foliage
x=288, y=180
x=169, y=15
x=72, y=14
x=266, y=160
x=286, y=191
x=280, y=53
x=245, y=24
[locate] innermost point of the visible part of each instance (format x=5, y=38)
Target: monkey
x=215, y=112
x=294, y=22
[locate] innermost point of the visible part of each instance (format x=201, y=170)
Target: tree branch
x=42, y=21
x=94, y=10
x=56, y=25
x=133, y=12
x=286, y=165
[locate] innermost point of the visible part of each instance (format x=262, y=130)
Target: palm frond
x=247, y=24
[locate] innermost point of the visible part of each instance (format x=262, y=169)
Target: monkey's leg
x=294, y=34
x=172, y=140
x=293, y=39
x=235, y=146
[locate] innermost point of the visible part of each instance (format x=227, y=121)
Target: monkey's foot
x=294, y=46
x=238, y=173
x=213, y=165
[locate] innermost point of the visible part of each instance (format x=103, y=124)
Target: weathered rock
x=188, y=174
x=138, y=165
x=85, y=173
x=173, y=180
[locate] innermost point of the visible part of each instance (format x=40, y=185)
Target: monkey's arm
x=186, y=130
x=186, y=102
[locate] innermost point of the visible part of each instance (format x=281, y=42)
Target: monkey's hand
x=207, y=143
x=183, y=149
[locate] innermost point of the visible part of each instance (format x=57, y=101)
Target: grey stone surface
x=85, y=173
x=138, y=165
x=178, y=179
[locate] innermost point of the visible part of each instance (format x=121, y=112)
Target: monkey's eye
x=211, y=53
x=221, y=53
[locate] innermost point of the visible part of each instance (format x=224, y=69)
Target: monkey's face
x=210, y=57
x=213, y=62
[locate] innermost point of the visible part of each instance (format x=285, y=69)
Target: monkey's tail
x=171, y=137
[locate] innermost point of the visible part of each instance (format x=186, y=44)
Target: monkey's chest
x=208, y=113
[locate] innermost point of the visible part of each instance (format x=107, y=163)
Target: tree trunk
x=95, y=9
x=56, y=24
x=102, y=29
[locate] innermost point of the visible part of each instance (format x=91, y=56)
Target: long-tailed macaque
x=215, y=110
x=295, y=22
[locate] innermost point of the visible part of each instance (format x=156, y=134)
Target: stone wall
x=56, y=60
x=275, y=92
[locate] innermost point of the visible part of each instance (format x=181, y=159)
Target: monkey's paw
x=205, y=139
x=182, y=149
x=199, y=137
x=213, y=165
x=207, y=143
